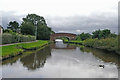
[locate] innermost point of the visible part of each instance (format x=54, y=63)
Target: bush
x=7, y=38
x=110, y=44
x=15, y=38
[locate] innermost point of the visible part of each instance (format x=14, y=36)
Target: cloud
x=9, y=16
x=59, y=7
x=73, y=16
x=77, y=30
x=79, y=24
x=71, y=24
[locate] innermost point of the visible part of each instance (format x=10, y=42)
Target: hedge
x=15, y=38
x=110, y=44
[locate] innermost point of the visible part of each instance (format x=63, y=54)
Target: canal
x=62, y=61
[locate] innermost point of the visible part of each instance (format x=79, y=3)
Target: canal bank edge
x=24, y=50
x=81, y=43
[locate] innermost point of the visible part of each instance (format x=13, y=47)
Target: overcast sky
x=74, y=16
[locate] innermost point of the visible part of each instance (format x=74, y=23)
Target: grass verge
x=109, y=44
x=12, y=50
x=74, y=41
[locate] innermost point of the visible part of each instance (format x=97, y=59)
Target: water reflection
x=60, y=45
x=63, y=61
x=11, y=61
x=36, y=60
x=59, y=41
x=103, y=55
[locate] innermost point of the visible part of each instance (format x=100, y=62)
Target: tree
x=84, y=36
x=113, y=35
x=105, y=33
x=39, y=24
x=7, y=31
x=27, y=29
x=52, y=32
x=96, y=34
x=78, y=37
x=101, y=33
x=43, y=33
x=13, y=26
x=34, y=19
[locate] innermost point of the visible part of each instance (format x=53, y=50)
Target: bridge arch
x=58, y=35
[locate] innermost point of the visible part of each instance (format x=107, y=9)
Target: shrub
x=15, y=38
x=6, y=38
x=89, y=42
x=110, y=44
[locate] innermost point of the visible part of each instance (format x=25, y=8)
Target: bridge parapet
x=58, y=35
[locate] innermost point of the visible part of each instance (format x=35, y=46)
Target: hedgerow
x=8, y=38
x=110, y=44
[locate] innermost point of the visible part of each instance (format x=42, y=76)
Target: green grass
x=12, y=50
x=74, y=41
x=33, y=44
x=9, y=50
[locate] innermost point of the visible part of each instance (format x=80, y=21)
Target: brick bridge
x=58, y=35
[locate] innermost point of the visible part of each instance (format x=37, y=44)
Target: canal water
x=62, y=61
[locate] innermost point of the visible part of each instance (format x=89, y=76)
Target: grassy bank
x=73, y=41
x=12, y=50
x=109, y=44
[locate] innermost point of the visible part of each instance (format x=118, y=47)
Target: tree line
x=100, y=34
x=32, y=24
